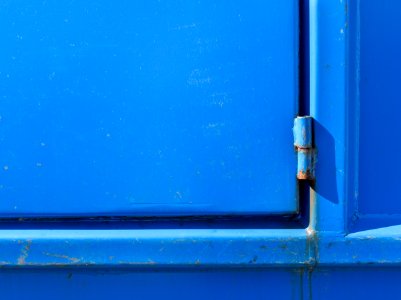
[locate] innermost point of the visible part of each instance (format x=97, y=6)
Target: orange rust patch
x=304, y=175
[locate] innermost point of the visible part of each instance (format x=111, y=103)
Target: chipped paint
x=24, y=252
x=66, y=257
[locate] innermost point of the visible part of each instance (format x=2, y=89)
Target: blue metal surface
x=147, y=107
x=328, y=106
x=377, y=162
x=162, y=284
x=246, y=248
x=347, y=251
x=350, y=283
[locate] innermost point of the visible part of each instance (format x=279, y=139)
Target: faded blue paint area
x=147, y=107
x=380, y=105
x=336, y=50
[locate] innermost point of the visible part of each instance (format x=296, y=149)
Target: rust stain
x=24, y=253
x=304, y=175
x=71, y=259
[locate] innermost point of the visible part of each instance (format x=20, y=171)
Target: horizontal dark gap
x=192, y=222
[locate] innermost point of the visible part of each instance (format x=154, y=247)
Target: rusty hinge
x=303, y=142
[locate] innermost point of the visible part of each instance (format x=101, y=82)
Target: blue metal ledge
x=378, y=247
x=162, y=248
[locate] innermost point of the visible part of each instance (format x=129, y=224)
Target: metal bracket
x=303, y=142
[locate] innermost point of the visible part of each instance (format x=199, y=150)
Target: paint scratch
x=24, y=252
x=71, y=259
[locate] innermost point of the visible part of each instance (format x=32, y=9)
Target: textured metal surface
x=349, y=283
x=147, y=107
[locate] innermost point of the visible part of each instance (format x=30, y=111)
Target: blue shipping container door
x=147, y=107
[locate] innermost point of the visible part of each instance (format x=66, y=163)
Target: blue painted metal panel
x=378, y=103
x=162, y=284
x=336, y=32
x=350, y=283
x=373, y=126
x=147, y=107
